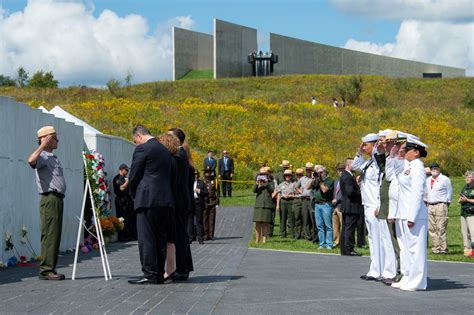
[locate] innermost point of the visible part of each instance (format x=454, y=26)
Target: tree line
x=40, y=79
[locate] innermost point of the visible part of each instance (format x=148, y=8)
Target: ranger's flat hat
x=46, y=131
x=299, y=171
x=287, y=172
x=309, y=165
x=371, y=137
x=263, y=170
x=285, y=163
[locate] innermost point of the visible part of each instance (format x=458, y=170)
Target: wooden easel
x=99, y=236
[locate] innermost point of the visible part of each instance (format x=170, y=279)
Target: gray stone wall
x=297, y=56
x=191, y=51
x=232, y=44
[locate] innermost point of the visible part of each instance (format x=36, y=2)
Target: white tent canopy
x=61, y=113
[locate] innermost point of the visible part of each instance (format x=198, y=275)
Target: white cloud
x=66, y=38
x=443, y=43
x=434, y=10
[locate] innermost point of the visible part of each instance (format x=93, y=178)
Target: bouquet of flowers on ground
x=108, y=227
x=117, y=222
x=97, y=178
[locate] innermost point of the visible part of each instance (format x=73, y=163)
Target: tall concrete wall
x=297, y=56
x=232, y=44
x=19, y=198
x=191, y=51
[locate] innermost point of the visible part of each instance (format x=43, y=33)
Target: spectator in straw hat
x=307, y=210
x=51, y=187
x=264, y=204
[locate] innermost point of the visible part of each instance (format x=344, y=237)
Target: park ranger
x=51, y=187
x=371, y=178
x=307, y=210
x=285, y=197
x=298, y=207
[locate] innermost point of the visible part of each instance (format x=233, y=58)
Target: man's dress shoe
x=144, y=281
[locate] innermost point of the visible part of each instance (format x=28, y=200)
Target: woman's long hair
x=187, y=148
x=170, y=141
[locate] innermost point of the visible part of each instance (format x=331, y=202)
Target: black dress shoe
x=354, y=253
x=367, y=278
x=144, y=281
x=201, y=241
x=180, y=276
x=169, y=279
x=387, y=281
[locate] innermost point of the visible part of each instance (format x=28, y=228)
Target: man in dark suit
x=210, y=163
x=183, y=207
x=351, y=208
x=226, y=172
x=149, y=184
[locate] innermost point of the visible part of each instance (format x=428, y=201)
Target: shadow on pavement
x=212, y=279
x=20, y=273
x=445, y=284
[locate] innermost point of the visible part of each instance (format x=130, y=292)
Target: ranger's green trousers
x=51, y=222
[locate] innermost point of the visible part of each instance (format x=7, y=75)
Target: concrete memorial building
x=227, y=51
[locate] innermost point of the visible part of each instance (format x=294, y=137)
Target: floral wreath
x=97, y=178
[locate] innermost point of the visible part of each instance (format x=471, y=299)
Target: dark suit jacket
x=149, y=179
x=230, y=165
x=202, y=194
x=351, y=201
x=212, y=164
x=183, y=202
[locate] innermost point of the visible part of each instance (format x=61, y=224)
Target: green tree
x=114, y=87
x=6, y=81
x=43, y=80
x=22, y=77
x=128, y=78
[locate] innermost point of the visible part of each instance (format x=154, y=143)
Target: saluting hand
x=45, y=141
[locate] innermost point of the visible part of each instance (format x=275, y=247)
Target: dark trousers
x=51, y=222
x=298, y=217
x=209, y=218
x=226, y=186
x=124, y=209
x=271, y=225
x=361, y=231
x=184, y=260
x=348, y=233
x=195, y=222
x=393, y=235
x=308, y=219
x=151, y=228
x=285, y=212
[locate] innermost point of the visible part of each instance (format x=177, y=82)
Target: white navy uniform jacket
x=370, y=184
x=393, y=166
x=412, y=182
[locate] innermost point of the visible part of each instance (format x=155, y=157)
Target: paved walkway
x=230, y=279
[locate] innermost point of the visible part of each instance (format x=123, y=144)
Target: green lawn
x=198, y=74
x=455, y=243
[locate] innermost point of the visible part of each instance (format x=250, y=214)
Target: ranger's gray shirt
x=49, y=174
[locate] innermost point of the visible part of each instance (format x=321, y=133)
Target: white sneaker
x=404, y=288
x=398, y=284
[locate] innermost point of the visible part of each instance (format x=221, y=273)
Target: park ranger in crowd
x=298, y=207
x=307, y=210
x=285, y=196
x=382, y=254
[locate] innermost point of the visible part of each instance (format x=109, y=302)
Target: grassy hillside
x=265, y=120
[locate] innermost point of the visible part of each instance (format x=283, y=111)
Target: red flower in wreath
x=99, y=167
x=101, y=180
x=102, y=187
x=90, y=156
